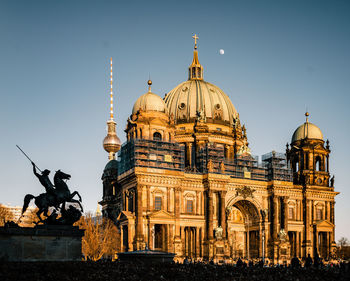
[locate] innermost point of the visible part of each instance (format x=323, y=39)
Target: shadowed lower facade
x=186, y=182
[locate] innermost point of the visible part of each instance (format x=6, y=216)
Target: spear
x=28, y=157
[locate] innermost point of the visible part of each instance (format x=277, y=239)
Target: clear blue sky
x=280, y=57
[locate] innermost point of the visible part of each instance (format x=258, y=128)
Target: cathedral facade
x=185, y=181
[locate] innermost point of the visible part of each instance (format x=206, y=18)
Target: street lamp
x=263, y=246
x=248, y=236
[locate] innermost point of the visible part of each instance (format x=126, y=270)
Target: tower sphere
x=111, y=142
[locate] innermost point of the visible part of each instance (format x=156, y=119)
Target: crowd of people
x=240, y=270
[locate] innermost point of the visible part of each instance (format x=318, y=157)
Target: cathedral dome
x=193, y=96
x=307, y=130
x=197, y=98
x=149, y=102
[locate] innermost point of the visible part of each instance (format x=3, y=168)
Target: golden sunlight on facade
x=185, y=181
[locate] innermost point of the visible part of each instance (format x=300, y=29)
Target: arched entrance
x=244, y=229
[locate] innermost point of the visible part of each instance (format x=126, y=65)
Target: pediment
x=158, y=121
x=125, y=215
x=161, y=214
x=324, y=224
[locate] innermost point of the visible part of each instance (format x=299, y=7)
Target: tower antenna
x=111, y=112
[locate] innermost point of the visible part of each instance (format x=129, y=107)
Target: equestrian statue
x=55, y=197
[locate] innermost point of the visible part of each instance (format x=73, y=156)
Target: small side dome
x=110, y=172
x=307, y=130
x=111, y=165
x=149, y=102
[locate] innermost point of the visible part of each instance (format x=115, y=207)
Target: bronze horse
x=62, y=195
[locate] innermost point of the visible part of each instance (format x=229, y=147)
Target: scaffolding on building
x=151, y=154
x=277, y=166
x=208, y=158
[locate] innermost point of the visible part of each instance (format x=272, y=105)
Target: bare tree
x=29, y=218
x=100, y=238
x=343, y=241
x=5, y=215
x=343, y=244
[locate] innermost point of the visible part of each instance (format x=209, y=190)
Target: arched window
x=157, y=136
x=318, y=163
x=198, y=72
x=130, y=203
x=296, y=164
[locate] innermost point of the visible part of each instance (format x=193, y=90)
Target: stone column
x=126, y=202
x=285, y=209
x=177, y=211
x=307, y=231
x=297, y=244
x=168, y=199
x=189, y=154
x=183, y=240
x=197, y=242
x=210, y=215
x=328, y=245
x=197, y=203
x=315, y=246
x=223, y=213
x=148, y=199
x=150, y=236
x=275, y=216
x=261, y=239
x=139, y=238
x=332, y=212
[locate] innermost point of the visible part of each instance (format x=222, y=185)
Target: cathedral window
x=158, y=203
x=318, y=163
x=157, y=136
x=291, y=213
x=189, y=206
x=130, y=203
x=319, y=214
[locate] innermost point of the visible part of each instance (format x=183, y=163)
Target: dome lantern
x=195, y=71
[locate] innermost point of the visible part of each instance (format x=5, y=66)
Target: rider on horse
x=45, y=180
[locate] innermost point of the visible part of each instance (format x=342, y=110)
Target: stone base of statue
x=41, y=243
x=146, y=257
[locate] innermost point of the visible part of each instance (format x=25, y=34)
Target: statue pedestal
x=41, y=243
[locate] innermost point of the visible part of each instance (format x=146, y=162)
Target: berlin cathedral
x=185, y=181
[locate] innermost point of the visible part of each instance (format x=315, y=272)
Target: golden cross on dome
x=195, y=37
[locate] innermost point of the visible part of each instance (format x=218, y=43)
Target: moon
x=221, y=51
